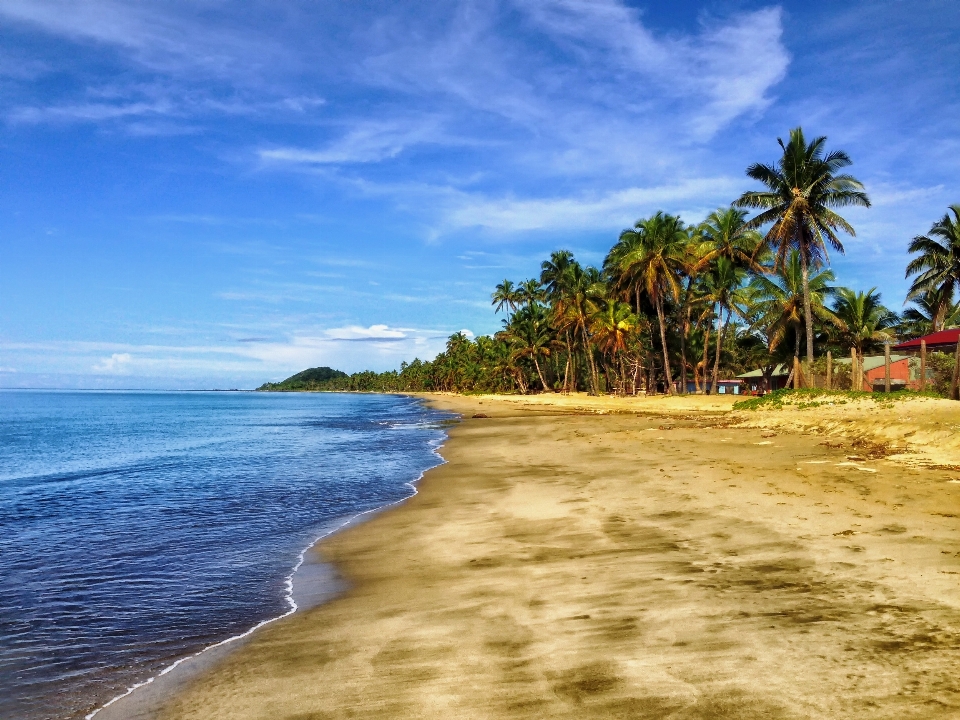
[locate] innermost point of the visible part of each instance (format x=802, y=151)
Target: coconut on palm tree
x=650, y=258
x=802, y=188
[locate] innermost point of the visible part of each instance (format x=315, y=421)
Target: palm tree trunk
x=663, y=341
x=566, y=369
x=536, y=364
x=683, y=353
x=716, y=361
x=706, y=351
x=593, y=367
x=807, y=309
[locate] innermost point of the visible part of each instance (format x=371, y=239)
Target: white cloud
x=374, y=332
x=610, y=210
x=118, y=363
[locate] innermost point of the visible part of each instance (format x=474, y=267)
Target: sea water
x=137, y=528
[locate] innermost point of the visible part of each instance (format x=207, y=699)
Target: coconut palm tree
x=611, y=325
x=777, y=301
x=530, y=292
x=529, y=331
x=801, y=190
x=932, y=311
x=721, y=285
x=556, y=278
x=579, y=302
x=728, y=234
x=937, y=267
x=650, y=257
x=505, y=297
x=863, y=321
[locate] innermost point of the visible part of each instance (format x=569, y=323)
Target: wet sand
x=566, y=564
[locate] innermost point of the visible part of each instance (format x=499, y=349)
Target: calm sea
x=138, y=528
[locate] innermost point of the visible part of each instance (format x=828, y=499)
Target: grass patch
x=811, y=398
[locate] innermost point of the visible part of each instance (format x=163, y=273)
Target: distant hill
x=319, y=378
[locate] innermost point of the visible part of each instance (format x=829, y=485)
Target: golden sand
x=570, y=564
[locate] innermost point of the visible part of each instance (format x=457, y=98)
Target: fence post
x=956, y=372
x=886, y=367
x=923, y=365
x=829, y=370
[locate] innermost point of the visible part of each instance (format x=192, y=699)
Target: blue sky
x=210, y=194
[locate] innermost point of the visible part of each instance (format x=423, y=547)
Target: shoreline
x=135, y=704
x=569, y=563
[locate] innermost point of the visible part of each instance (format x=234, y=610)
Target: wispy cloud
x=610, y=210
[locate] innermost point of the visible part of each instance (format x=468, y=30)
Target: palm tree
x=729, y=235
x=650, y=257
x=938, y=265
x=932, y=311
x=611, y=326
x=530, y=292
x=777, y=300
x=505, y=296
x=863, y=320
x=555, y=276
x=579, y=303
x=801, y=189
x=721, y=285
x=529, y=331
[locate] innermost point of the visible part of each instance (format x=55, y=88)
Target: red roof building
x=945, y=340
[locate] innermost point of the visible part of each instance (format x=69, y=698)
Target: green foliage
x=311, y=379
x=941, y=365
x=811, y=398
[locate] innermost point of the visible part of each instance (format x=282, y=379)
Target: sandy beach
x=619, y=559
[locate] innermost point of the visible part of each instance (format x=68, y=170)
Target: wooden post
x=856, y=382
x=829, y=382
x=923, y=365
x=956, y=372
x=886, y=367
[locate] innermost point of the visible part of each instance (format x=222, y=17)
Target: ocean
x=137, y=528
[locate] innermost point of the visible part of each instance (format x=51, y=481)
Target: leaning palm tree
x=777, y=300
x=801, y=190
x=505, y=297
x=937, y=267
x=863, y=321
x=651, y=258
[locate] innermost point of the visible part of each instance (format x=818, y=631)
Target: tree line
x=677, y=304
